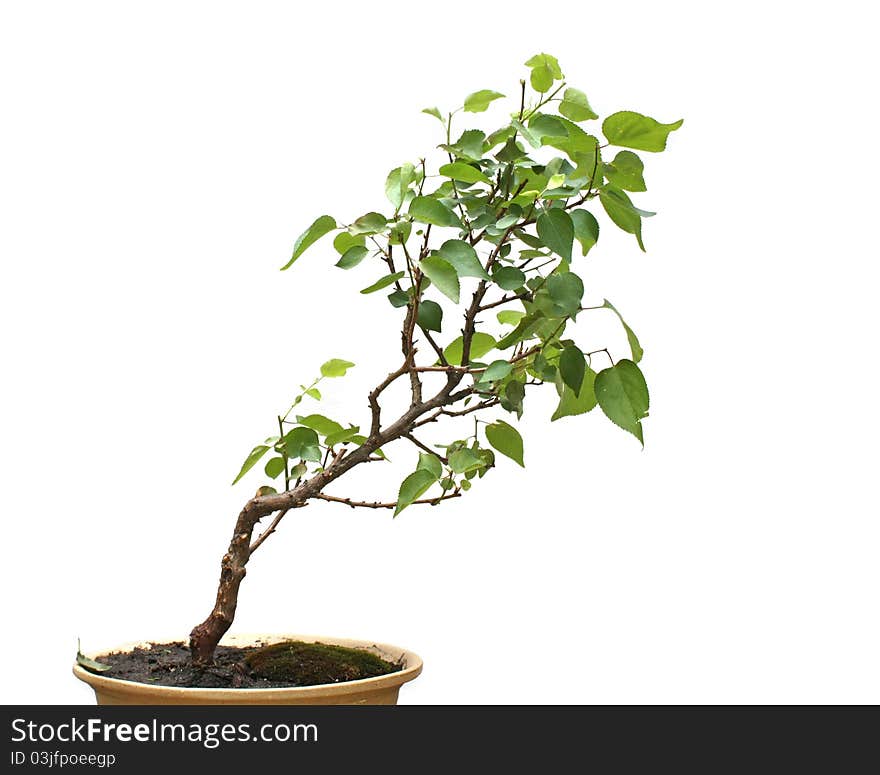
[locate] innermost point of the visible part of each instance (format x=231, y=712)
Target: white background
x=159, y=159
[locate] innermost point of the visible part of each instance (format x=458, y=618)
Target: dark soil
x=290, y=663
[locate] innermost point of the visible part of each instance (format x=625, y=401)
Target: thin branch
x=268, y=531
x=388, y=505
x=424, y=447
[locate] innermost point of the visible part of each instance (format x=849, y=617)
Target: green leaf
x=530, y=137
x=464, y=172
x=335, y=367
x=586, y=229
x=633, y=130
x=352, y=257
x=311, y=235
x=426, y=209
x=574, y=106
x=343, y=241
x=623, y=213
x=496, y=370
x=463, y=460
x=251, y=460
x=469, y=145
x=572, y=367
x=566, y=289
x=440, y=272
x=342, y=436
x=413, y=487
x=626, y=172
x=545, y=70
x=300, y=442
x=397, y=184
x=430, y=315
x=573, y=403
x=434, y=112
x=543, y=126
x=298, y=471
x=383, y=282
x=314, y=393
x=431, y=463
x=317, y=422
x=274, y=467
x=510, y=317
x=556, y=231
x=508, y=278
x=371, y=223
x=463, y=259
x=506, y=439
x=88, y=663
x=634, y=346
x=480, y=345
x=479, y=100
x=398, y=299
x=623, y=395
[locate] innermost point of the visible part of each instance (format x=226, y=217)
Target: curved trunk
x=204, y=637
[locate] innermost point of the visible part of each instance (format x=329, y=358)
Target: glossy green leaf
x=352, y=257
x=371, y=223
x=344, y=240
x=633, y=130
x=623, y=213
x=426, y=209
x=384, y=282
x=527, y=134
x=566, y=289
x=480, y=100
x=508, y=278
x=556, y=231
x=464, y=172
x=413, y=487
x=434, y=112
x=469, y=145
x=463, y=259
x=480, y=345
x=274, y=467
x=496, y=370
x=573, y=403
x=572, y=367
x=440, y=272
x=343, y=436
x=575, y=106
x=430, y=315
x=397, y=184
x=311, y=235
x=545, y=70
x=251, y=460
x=626, y=172
x=300, y=442
x=586, y=229
x=634, y=346
x=317, y=422
x=430, y=463
x=510, y=317
x=398, y=299
x=314, y=393
x=298, y=471
x=623, y=395
x=335, y=367
x=463, y=460
x=543, y=126
x=507, y=440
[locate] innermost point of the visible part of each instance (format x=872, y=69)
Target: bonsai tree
x=500, y=228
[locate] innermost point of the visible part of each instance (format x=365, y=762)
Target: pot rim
x=412, y=668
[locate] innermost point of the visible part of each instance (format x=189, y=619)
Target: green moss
x=307, y=664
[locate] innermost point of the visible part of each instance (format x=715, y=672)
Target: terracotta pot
x=381, y=690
